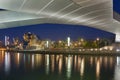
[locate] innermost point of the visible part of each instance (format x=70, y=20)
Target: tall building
x=7, y=42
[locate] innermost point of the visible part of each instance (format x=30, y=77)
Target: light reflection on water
x=47, y=63
x=98, y=69
x=82, y=67
x=52, y=63
x=60, y=64
x=7, y=62
x=69, y=66
x=117, y=69
x=33, y=62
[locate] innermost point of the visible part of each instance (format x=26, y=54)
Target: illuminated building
x=7, y=40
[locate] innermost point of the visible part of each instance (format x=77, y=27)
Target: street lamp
x=82, y=40
x=97, y=39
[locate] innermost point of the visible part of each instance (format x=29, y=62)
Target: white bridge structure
x=92, y=13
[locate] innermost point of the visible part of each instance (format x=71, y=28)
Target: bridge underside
x=92, y=13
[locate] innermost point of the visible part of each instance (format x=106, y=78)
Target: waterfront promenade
x=68, y=52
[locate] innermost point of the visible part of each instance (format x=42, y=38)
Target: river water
x=25, y=66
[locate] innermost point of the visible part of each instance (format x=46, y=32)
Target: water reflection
x=60, y=63
x=69, y=66
x=33, y=62
x=105, y=62
x=17, y=59
x=1, y=58
x=98, y=69
x=111, y=62
x=94, y=67
x=47, y=64
x=75, y=62
x=7, y=62
x=91, y=61
x=82, y=67
x=117, y=69
x=53, y=62
x=38, y=60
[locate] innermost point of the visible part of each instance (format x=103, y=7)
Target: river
x=31, y=66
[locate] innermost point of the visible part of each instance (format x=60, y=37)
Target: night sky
x=56, y=32
x=116, y=6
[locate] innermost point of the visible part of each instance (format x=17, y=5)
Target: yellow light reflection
x=57, y=57
x=3, y=52
x=47, y=63
x=69, y=66
x=2, y=58
x=38, y=60
x=79, y=63
x=111, y=62
x=66, y=60
x=98, y=69
x=95, y=60
x=60, y=65
x=82, y=67
x=53, y=62
x=91, y=61
x=75, y=62
x=33, y=61
x=18, y=59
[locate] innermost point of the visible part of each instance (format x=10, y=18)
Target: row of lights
x=96, y=49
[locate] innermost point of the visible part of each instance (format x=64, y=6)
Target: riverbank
x=68, y=52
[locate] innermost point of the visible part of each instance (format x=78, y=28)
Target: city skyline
x=56, y=32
